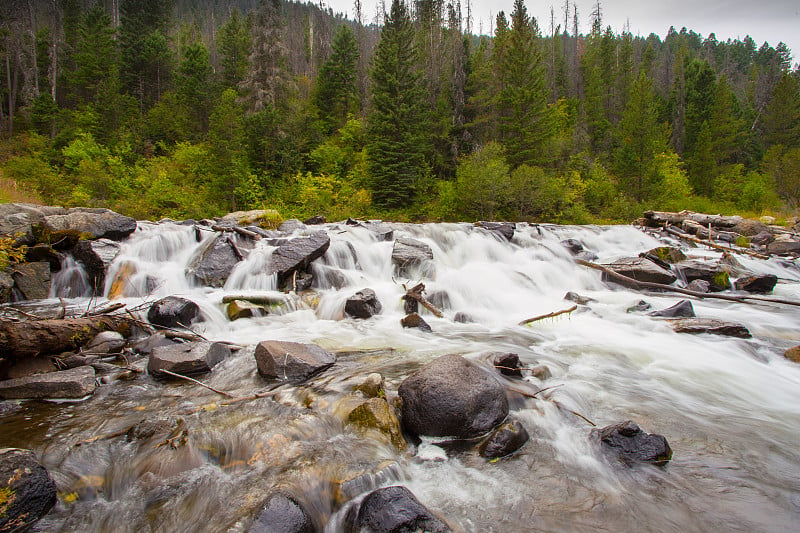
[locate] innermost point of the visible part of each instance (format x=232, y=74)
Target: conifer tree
x=337, y=93
x=233, y=46
x=266, y=80
x=396, y=123
x=781, y=120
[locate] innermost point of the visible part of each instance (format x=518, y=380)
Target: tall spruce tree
x=396, y=124
x=337, y=91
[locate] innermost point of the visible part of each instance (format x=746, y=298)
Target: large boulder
x=639, y=269
x=291, y=361
x=682, y=309
x=452, y=396
x=411, y=256
x=32, y=280
x=363, y=304
x=392, y=510
x=282, y=514
x=214, y=262
x=715, y=275
x=87, y=223
x=73, y=383
x=27, y=492
x=506, y=438
x=188, y=359
x=784, y=247
x=173, y=312
x=628, y=443
x=96, y=257
x=762, y=284
x=713, y=326
x=19, y=219
x=298, y=253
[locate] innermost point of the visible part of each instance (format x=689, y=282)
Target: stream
x=728, y=406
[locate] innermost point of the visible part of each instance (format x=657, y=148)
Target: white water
x=728, y=407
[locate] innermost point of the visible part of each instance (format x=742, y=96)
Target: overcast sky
x=772, y=21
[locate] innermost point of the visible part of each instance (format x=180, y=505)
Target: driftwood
x=241, y=231
x=187, y=378
x=258, y=299
x=52, y=336
x=415, y=294
x=660, y=218
x=684, y=236
x=548, y=315
x=661, y=287
x=236, y=251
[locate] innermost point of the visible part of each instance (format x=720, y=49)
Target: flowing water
x=728, y=407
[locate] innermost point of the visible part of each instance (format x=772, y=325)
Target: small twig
x=107, y=310
x=534, y=394
x=548, y=315
x=192, y=331
x=515, y=368
x=574, y=413
x=23, y=313
x=181, y=376
x=106, y=436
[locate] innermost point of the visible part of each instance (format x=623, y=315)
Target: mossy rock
x=373, y=414
x=668, y=254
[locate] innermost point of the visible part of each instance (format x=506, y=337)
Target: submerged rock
x=371, y=386
x=503, y=229
x=243, y=309
x=793, y=354
x=291, y=361
x=761, y=284
x=74, y=383
x=631, y=445
x=578, y=299
x=188, y=359
x=710, y=325
x=639, y=307
x=375, y=414
x=506, y=438
x=96, y=257
x=451, y=396
x=27, y=492
x=393, y=510
x=172, y=312
x=363, y=304
x=413, y=320
x=683, y=309
x=463, y=318
x=282, y=514
x=411, y=256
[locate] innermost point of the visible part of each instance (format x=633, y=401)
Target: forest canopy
x=179, y=108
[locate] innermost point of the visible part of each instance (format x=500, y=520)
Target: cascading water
x=727, y=406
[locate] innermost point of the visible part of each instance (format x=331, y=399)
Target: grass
x=11, y=192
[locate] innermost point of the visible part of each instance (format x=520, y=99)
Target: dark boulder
x=31, y=280
x=784, y=247
x=761, y=284
x=96, y=257
x=214, y=262
x=393, y=510
x=451, y=396
x=627, y=442
x=45, y=252
x=92, y=223
x=411, y=257
x=505, y=230
x=710, y=325
x=639, y=269
x=74, y=383
x=315, y=220
x=298, y=253
x=187, y=359
x=463, y=318
x=172, y=312
x=27, y=492
x=507, y=363
x=506, y=438
x=363, y=304
x=282, y=514
x=668, y=254
x=749, y=227
x=573, y=245
x=682, y=309
x=413, y=320
x=715, y=275
x=762, y=239
x=291, y=225
x=291, y=361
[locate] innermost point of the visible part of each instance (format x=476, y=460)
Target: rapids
x=728, y=407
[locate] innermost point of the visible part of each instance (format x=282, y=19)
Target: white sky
x=772, y=21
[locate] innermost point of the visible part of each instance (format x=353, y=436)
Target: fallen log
x=660, y=218
x=241, y=231
x=548, y=315
x=415, y=293
x=53, y=336
x=681, y=235
x=630, y=282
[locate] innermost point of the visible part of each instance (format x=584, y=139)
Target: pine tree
x=233, y=45
x=781, y=119
x=95, y=54
x=193, y=82
x=702, y=166
x=336, y=94
x=267, y=80
x=396, y=124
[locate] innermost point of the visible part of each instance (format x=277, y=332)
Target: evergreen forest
x=195, y=108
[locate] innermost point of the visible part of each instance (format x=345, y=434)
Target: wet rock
x=507, y=363
x=363, y=304
x=173, y=312
x=187, y=359
x=375, y=414
x=710, y=325
x=573, y=245
x=668, y=254
x=212, y=265
x=28, y=366
x=6, y=287
x=242, y=309
x=371, y=386
x=96, y=257
x=105, y=343
x=84, y=222
x=793, y=354
x=19, y=219
x=27, y=492
x=586, y=255
x=350, y=484
x=762, y=238
x=121, y=284
x=329, y=278
x=715, y=275
x=32, y=280
x=282, y=514
x=750, y=227
x=463, y=318
x=504, y=440
x=451, y=396
x=73, y=383
x=639, y=307
x=296, y=281
x=541, y=372
x=578, y=299
x=291, y=225
x=640, y=269
x=631, y=445
x=682, y=309
x=393, y=510
x=413, y=320
x=44, y=252
x=699, y=285
x=440, y=300
x=151, y=427
x=298, y=253
x=502, y=229
x=146, y=345
x=411, y=256
x=760, y=284
x=731, y=265
x=383, y=232
x=784, y=247
x=291, y=361
x=315, y=220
